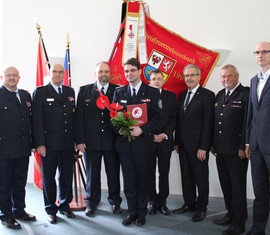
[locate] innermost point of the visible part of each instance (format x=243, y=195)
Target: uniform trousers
x=63, y=160
x=162, y=160
x=232, y=172
x=93, y=169
x=13, y=177
x=135, y=173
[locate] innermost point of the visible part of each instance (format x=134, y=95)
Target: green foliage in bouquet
x=123, y=122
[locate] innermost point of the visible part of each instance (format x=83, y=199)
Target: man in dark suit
x=229, y=148
x=15, y=149
x=258, y=136
x=53, y=124
x=164, y=146
x=96, y=138
x=134, y=155
x=195, y=115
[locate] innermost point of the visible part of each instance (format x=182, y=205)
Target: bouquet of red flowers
x=120, y=119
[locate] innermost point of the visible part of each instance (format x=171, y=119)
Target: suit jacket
x=93, y=125
x=53, y=118
x=229, y=125
x=195, y=124
x=169, y=107
x=258, y=125
x=15, y=124
x=144, y=143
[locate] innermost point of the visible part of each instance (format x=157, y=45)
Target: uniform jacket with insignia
x=229, y=125
x=15, y=124
x=93, y=124
x=144, y=143
x=53, y=118
x=168, y=102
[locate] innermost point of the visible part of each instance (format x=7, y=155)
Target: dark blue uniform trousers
x=13, y=177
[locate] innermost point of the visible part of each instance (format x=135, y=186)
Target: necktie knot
x=227, y=95
x=102, y=90
x=59, y=91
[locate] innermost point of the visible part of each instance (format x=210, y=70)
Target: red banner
x=42, y=71
x=169, y=53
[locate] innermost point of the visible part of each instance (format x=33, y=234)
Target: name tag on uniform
x=123, y=101
x=50, y=99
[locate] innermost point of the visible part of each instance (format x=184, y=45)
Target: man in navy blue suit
x=164, y=145
x=258, y=136
x=15, y=149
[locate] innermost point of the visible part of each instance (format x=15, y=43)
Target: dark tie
x=102, y=90
x=134, y=96
x=15, y=94
x=187, y=100
x=59, y=91
x=227, y=95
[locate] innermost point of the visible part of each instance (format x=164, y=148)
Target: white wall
x=93, y=27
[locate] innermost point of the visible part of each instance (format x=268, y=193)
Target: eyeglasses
x=60, y=72
x=131, y=71
x=263, y=52
x=192, y=75
x=156, y=79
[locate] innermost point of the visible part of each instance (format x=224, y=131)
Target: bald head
x=11, y=78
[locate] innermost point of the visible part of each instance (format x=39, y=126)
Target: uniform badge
x=216, y=104
x=145, y=100
x=70, y=98
x=160, y=103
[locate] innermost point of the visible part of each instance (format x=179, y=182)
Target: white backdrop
x=93, y=26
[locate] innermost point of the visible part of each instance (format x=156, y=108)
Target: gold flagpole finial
x=68, y=42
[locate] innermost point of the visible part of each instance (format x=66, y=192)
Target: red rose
x=126, y=114
x=102, y=102
x=113, y=113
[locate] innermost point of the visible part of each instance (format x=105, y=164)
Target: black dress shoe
x=226, y=220
x=199, y=216
x=52, y=218
x=25, y=216
x=140, y=221
x=10, y=222
x=116, y=209
x=152, y=209
x=128, y=220
x=234, y=230
x=164, y=210
x=68, y=213
x=90, y=210
x=183, y=209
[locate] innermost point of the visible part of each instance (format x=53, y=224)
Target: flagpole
x=69, y=64
x=43, y=45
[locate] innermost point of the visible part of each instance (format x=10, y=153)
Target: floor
x=107, y=223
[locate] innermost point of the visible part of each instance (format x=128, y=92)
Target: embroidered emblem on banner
x=161, y=62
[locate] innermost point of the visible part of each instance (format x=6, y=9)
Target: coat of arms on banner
x=161, y=62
